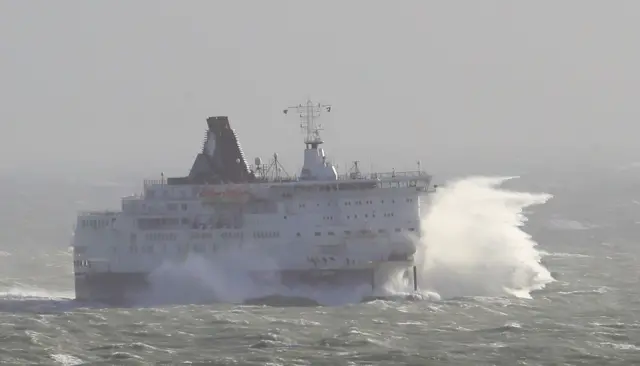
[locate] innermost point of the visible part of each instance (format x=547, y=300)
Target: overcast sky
x=124, y=84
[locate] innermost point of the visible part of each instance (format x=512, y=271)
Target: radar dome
x=258, y=162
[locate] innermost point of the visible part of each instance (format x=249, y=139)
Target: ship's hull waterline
x=122, y=289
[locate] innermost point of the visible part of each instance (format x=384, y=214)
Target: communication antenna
x=309, y=113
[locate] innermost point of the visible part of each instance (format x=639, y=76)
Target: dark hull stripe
x=120, y=288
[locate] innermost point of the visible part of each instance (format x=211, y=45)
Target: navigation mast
x=309, y=113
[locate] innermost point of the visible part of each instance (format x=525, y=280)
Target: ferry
x=317, y=228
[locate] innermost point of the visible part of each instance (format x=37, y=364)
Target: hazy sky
x=130, y=83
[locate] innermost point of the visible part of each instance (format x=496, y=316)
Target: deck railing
x=384, y=175
x=341, y=177
x=151, y=182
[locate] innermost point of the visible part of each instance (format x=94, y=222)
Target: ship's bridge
x=316, y=166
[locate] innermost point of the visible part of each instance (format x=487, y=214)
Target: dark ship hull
x=127, y=289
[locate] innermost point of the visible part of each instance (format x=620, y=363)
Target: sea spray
x=473, y=243
x=224, y=278
x=227, y=278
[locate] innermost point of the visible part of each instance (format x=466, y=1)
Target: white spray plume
x=473, y=245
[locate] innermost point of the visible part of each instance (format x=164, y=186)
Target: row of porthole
x=95, y=224
x=357, y=203
x=149, y=248
x=197, y=248
x=348, y=232
x=325, y=260
x=266, y=234
x=391, y=214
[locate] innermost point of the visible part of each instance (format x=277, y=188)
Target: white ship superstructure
x=318, y=227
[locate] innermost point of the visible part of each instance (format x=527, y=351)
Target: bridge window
x=317, y=233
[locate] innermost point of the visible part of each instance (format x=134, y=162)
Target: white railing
x=384, y=175
x=341, y=177
x=151, y=182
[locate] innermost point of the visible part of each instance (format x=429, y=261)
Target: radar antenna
x=309, y=113
x=271, y=171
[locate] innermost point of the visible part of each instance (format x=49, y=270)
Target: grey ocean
x=491, y=296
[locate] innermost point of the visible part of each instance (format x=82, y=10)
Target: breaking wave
x=473, y=245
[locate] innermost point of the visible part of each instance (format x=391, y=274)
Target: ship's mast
x=309, y=113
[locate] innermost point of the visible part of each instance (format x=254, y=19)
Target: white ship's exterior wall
x=303, y=226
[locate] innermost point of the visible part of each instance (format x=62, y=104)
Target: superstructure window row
x=96, y=223
x=157, y=223
x=266, y=234
x=365, y=232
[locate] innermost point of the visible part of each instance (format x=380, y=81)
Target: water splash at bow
x=474, y=244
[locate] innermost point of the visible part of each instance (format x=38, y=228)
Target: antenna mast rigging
x=309, y=113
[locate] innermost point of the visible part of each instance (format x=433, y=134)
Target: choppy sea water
x=490, y=294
